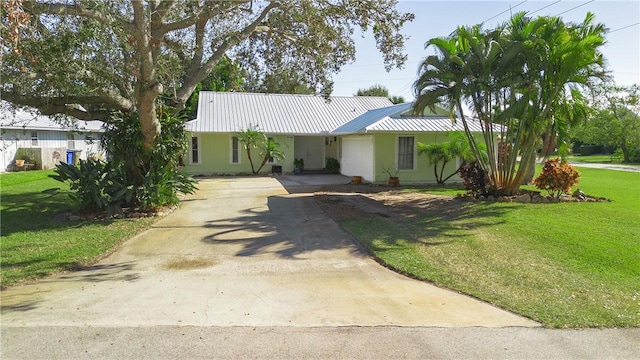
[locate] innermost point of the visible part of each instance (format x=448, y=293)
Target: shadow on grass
x=77, y=272
x=428, y=220
x=289, y=227
x=34, y=211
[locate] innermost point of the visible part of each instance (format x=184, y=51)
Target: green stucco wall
x=385, y=147
x=215, y=156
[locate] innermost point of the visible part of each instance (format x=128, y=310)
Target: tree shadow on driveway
x=290, y=227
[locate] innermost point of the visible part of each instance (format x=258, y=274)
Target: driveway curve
x=243, y=252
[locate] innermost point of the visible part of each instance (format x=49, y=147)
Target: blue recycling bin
x=70, y=155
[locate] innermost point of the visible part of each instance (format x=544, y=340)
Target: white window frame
x=397, y=153
x=34, y=138
x=231, y=151
x=71, y=141
x=198, y=149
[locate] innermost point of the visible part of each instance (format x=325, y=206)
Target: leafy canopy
x=379, y=90
x=89, y=57
x=615, y=121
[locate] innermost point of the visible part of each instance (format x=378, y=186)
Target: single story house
x=43, y=141
x=365, y=134
x=301, y=124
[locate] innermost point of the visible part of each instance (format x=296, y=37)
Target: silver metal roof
x=424, y=124
x=25, y=119
x=398, y=118
x=230, y=112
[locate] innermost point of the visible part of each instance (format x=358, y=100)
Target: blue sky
x=440, y=18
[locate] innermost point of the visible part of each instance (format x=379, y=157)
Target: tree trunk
x=529, y=163
x=147, y=113
x=530, y=170
x=625, y=152
x=250, y=159
x=549, y=143
x=264, y=161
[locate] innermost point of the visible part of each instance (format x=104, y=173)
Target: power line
x=406, y=86
x=624, y=27
x=575, y=7
x=509, y=9
x=544, y=7
x=380, y=64
x=368, y=80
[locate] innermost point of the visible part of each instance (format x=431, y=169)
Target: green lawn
x=34, y=244
x=564, y=265
x=598, y=159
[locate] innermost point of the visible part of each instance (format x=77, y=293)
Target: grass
x=34, y=244
x=598, y=159
x=564, y=265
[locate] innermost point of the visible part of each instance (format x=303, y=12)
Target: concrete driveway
x=244, y=252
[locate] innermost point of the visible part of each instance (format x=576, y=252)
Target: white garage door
x=357, y=157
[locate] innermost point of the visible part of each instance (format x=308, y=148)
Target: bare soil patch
x=342, y=202
x=184, y=263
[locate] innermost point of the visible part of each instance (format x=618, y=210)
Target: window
x=71, y=143
x=235, y=150
x=269, y=142
x=34, y=138
x=406, y=153
x=195, y=151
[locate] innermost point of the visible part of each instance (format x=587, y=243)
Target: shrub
x=135, y=176
x=153, y=174
x=332, y=166
x=617, y=156
x=557, y=177
x=95, y=186
x=474, y=179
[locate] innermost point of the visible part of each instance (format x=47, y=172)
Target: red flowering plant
x=557, y=177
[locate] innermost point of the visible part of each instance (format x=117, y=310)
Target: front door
x=311, y=150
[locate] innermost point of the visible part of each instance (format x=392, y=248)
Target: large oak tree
x=86, y=58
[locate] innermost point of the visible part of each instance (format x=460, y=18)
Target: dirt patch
x=184, y=263
x=343, y=202
x=349, y=201
x=127, y=213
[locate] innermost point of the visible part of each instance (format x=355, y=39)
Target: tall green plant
x=521, y=80
x=440, y=154
x=95, y=186
x=267, y=148
x=154, y=173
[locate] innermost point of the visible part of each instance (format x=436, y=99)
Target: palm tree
x=267, y=148
x=562, y=59
x=522, y=76
x=442, y=153
x=251, y=139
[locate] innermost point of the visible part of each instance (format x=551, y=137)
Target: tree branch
x=76, y=10
x=206, y=12
x=142, y=43
x=61, y=105
x=202, y=72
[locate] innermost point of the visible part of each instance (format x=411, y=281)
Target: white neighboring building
x=45, y=141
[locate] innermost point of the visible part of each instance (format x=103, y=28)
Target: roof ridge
x=291, y=95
